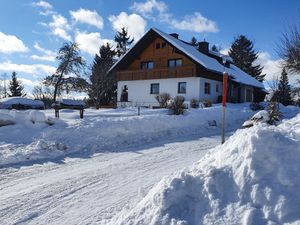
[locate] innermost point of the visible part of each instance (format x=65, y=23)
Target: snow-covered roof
x=203, y=59
x=8, y=102
x=209, y=62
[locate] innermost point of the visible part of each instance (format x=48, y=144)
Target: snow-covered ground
x=103, y=130
x=252, y=179
x=98, y=170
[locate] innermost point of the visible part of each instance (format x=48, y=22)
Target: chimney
x=175, y=35
x=203, y=47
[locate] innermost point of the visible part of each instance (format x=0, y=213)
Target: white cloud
x=10, y=44
x=87, y=17
x=34, y=69
x=271, y=67
x=45, y=6
x=48, y=55
x=158, y=11
x=134, y=23
x=90, y=42
x=195, y=23
x=59, y=27
x=148, y=7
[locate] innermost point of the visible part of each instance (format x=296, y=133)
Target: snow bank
x=6, y=103
x=252, y=179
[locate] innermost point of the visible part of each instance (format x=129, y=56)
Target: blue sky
x=31, y=31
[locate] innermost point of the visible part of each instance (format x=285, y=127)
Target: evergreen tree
x=103, y=86
x=284, y=89
x=244, y=57
x=194, y=41
x=123, y=40
x=215, y=48
x=15, y=86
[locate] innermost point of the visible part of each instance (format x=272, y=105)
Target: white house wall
x=139, y=90
x=213, y=96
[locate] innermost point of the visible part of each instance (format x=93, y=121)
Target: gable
x=159, y=56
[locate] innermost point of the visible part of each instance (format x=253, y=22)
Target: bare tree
x=289, y=49
x=70, y=63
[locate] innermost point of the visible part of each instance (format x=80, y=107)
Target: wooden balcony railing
x=146, y=74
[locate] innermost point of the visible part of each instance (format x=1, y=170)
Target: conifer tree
x=103, y=86
x=284, y=89
x=123, y=40
x=194, y=41
x=244, y=56
x=215, y=48
x=15, y=86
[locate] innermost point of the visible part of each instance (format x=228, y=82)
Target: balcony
x=176, y=72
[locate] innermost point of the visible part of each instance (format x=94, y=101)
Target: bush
x=163, y=99
x=255, y=106
x=176, y=105
x=273, y=113
x=194, y=103
x=207, y=103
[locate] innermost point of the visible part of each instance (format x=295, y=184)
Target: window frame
x=207, y=88
x=175, y=62
x=147, y=63
x=152, y=89
x=179, y=87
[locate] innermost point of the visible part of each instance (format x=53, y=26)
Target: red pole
x=224, y=96
x=225, y=76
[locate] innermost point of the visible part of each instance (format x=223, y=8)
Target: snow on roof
x=241, y=77
x=226, y=57
x=206, y=61
x=8, y=102
x=211, y=63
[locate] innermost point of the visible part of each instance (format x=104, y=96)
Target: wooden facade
x=160, y=57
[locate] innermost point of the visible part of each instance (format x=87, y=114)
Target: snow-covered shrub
x=37, y=117
x=207, y=103
x=260, y=117
x=273, y=113
x=6, y=119
x=194, y=103
x=163, y=99
x=255, y=106
x=176, y=105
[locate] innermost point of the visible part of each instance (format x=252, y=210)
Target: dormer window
x=174, y=62
x=147, y=65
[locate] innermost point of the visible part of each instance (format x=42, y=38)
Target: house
x=162, y=63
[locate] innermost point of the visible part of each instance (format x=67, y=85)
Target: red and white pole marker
x=224, y=96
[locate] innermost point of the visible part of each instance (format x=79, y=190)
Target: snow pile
x=6, y=119
x=7, y=103
x=252, y=179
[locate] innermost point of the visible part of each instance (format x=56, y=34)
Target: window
x=157, y=46
x=163, y=45
x=147, y=65
x=217, y=88
x=174, y=62
x=207, y=88
x=181, y=87
x=154, y=88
